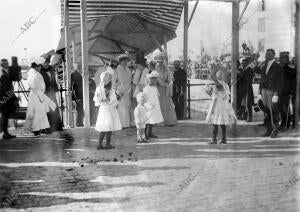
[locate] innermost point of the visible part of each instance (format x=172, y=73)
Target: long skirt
x=167, y=107
x=54, y=116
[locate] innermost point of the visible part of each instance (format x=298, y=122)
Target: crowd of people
x=277, y=89
x=144, y=94
x=42, y=115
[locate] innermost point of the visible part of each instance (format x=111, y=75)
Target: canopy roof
x=129, y=25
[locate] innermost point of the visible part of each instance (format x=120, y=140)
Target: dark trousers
x=4, y=122
x=80, y=113
x=286, y=118
x=178, y=101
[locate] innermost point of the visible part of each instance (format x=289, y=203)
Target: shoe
x=142, y=141
x=267, y=133
x=152, y=136
x=274, y=134
x=8, y=136
x=213, y=141
x=223, y=141
x=249, y=119
x=109, y=146
x=100, y=147
x=261, y=125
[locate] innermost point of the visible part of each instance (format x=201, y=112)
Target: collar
x=271, y=61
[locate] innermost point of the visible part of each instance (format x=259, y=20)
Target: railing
x=189, y=100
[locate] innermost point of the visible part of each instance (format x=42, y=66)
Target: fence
x=197, y=107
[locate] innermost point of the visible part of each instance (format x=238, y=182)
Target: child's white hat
x=140, y=96
x=153, y=74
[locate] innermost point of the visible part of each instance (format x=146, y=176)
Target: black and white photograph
x=150, y=105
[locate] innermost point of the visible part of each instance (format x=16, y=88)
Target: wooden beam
x=112, y=52
x=297, y=57
x=68, y=66
x=150, y=34
x=234, y=52
x=193, y=12
x=85, y=71
x=185, y=47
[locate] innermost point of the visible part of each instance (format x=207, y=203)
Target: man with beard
x=288, y=91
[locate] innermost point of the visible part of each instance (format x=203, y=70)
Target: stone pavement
x=177, y=172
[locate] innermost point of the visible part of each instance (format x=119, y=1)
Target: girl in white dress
x=38, y=103
x=155, y=115
x=108, y=119
x=220, y=111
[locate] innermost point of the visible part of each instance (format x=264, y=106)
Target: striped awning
x=164, y=12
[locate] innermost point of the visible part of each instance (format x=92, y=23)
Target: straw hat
x=105, y=77
x=123, y=57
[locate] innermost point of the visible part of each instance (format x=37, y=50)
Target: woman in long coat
x=165, y=92
x=38, y=102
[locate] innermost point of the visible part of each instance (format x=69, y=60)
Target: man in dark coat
x=77, y=96
x=248, y=75
x=179, y=85
x=269, y=89
x=49, y=75
x=7, y=99
x=241, y=93
x=288, y=90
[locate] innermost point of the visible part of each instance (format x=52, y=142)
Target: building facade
x=269, y=24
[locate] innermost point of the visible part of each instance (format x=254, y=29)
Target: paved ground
x=177, y=172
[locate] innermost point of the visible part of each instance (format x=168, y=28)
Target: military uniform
x=288, y=88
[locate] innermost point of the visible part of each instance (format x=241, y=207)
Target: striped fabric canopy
x=164, y=12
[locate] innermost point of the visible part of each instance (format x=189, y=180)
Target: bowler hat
x=142, y=61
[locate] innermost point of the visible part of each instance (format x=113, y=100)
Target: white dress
x=155, y=115
x=36, y=115
x=108, y=117
x=122, y=79
x=220, y=111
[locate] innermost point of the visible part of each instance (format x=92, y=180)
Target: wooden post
x=166, y=49
x=74, y=50
x=234, y=52
x=297, y=57
x=85, y=71
x=68, y=66
x=185, y=46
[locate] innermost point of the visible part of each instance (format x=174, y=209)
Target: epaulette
x=290, y=65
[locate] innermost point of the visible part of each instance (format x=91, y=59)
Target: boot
x=215, y=133
x=108, y=138
x=151, y=135
x=223, y=141
x=147, y=131
x=249, y=115
x=269, y=128
x=101, y=137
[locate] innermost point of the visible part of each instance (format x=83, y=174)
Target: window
x=262, y=25
x=261, y=45
x=262, y=6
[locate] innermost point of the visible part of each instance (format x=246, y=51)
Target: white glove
x=259, y=96
x=275, y=99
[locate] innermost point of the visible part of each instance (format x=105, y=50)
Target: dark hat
x=33, y=65
x=142, y=61
x=284, y=54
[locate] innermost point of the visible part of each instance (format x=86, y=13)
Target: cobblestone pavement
x=178, y=171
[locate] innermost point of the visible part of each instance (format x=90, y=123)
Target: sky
x=211, y=25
